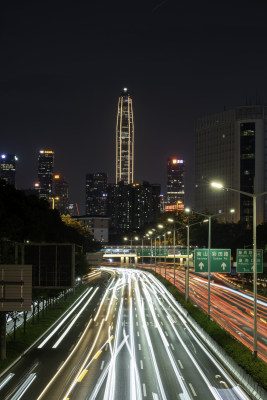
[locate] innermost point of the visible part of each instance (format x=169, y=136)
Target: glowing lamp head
x=216, y=185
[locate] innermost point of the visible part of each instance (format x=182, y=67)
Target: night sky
x=64, y=65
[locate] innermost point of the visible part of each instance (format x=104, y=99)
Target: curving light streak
x=135, y=385
x=185, y=394
x=103, y=299
x=110, y=386
x=112, y=298
x=170, y=300
x=74, y=320
x=65, y=362
x=105, y=372
x=64, y=319
x=84, y=363
x=155, y=365
x=236, y=292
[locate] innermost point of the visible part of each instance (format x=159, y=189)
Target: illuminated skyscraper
x=175, y=181
x=96, y=194
x=8, y=168
x=45, y=173
x=61, y=194
x=125, y=139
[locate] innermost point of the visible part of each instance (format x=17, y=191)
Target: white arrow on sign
x=223, y=266
x=201, y=265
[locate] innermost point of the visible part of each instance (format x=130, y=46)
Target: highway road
x=124, y=339
x=231, y=306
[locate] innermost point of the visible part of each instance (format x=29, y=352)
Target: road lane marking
x=139, y=346
x=82, y=375
x=102, y=365
x=141, y=364
x=136, y=323
x=181, y=365
x=97, y=354
x=172, y=346
x=137, y=333
x=166, y=333
x=193, y=390
x=144, y=389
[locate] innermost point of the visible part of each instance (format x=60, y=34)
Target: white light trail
x=103, y=299
x=74, y=382
x=74, y=320
x=24, y=387
x=6, y=380
x=64, y=319
x=156, y=369
x=110, y=386
x=65, y=362
x=236, y=292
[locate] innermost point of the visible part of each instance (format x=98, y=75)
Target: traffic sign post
x=244, y=261
x=220, y=260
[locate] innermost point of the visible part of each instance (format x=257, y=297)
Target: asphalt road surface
x=123, y=339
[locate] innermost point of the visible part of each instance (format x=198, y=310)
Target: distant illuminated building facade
x=96, y=194
x=45, y=174
x=125, y=139
x=132, y=207
x=8, y=168
x=175, y=184
x=61, y=194
x=231, y=147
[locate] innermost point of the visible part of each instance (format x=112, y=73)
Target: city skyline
x=63, y=70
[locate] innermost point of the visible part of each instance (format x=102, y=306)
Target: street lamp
x=187, y=210
x=209, y=245
x=160, y=226
x=173, y=221
x=254, y=196
x=53, y=201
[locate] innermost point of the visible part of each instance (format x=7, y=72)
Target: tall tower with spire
x=125, y=139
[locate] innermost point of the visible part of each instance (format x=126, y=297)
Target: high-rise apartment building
x=131, y=207
x=8, y=168
x=61, y=194
x=231, y=147
x=125, y=139
x=45, y=174
x=175, y=181
x=96, y=194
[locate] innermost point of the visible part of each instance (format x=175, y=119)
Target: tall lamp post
x=187, y=210
x=254, y=197
x=160, y=226
x=174, y=249
x=209, y=245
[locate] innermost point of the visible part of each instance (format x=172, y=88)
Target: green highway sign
x=244, y=261
x=201, y=260
x=183, y=252
x=220, y=260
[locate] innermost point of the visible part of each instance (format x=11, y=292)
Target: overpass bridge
x=132, y=254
